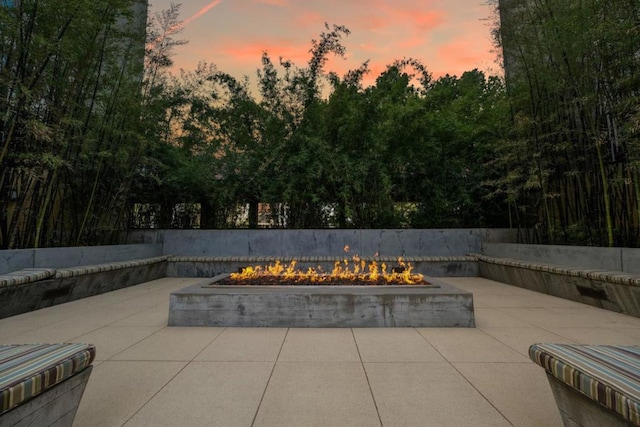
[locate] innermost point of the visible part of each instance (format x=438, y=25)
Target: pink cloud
x=250, y=52
x=279, y=3
x=410, y=42
x=309, y=19
x=466, y=52
x=386, y=15
x=373, y=22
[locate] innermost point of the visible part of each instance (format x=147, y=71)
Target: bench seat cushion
x=610, y=375
x=27, y=275
x=28, y=370
x=63, y=273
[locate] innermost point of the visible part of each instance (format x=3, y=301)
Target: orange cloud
x=251, y=52
x=457, y=55
x=385, y=15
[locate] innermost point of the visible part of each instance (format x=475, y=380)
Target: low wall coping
x=616, y=277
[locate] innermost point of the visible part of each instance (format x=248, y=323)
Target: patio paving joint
x=266, y=386
x=373, y=397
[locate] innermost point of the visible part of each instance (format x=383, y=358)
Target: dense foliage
x=69, y=118
x=314, y=149
x=94, y=140
x=571, y=160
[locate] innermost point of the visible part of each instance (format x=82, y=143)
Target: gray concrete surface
x=408, y=242
x=13, y=260
x=148, y=374
x=206, y=304
x=213, y=268
x=90, y=255
x=16, y=259
x=631, y=260
x=606, y=259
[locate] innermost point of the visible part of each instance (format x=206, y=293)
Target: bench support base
x=577, y=410
x=56, y=406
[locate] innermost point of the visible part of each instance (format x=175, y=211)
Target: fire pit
x=290, y=298
x=345, y=273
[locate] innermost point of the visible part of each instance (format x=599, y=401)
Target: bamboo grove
x=70, y=76
x=571, y=160
x=95, y=139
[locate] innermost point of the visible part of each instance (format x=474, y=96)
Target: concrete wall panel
x=15, y=259
x=408, y=242
x=90, y=255
x=576, y=256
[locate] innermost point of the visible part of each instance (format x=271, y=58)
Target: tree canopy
x=99, y=134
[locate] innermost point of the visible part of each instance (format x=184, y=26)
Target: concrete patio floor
x=147, y=374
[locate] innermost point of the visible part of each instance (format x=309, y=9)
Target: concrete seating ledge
x=594, y=385
x=611, y=290
x=34, y=288
x=30, y=275
x=27, y=275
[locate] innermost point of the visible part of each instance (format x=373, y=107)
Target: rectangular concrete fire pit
x=208, y=304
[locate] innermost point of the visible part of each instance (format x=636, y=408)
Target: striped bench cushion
x=607, y=374
x=63, y=273
x=617, y=277
x=28, y=370
x=27, y=275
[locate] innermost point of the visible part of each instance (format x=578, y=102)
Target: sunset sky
x=448, y=36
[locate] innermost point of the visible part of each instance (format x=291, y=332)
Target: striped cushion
x=617, y=277
x=28, y=370
x=83, y=270
x=27, y=275
x=607, y=374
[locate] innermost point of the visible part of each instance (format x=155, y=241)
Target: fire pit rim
x=215, y=279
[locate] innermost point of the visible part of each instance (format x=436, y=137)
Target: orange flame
x=355, y=271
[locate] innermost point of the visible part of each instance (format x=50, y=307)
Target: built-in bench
x=42, y=384
x=211, y=266
x=594, y=385
x=31, y=289
x=611, y=290
x=27, y=275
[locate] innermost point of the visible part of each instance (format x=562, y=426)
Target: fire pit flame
x=356, y=270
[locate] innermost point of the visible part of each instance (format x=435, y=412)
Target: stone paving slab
x=151, y=374
x=428, y=394
x=318, y=394
x=208, y=394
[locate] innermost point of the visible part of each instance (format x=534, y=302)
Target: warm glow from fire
x=356, y=270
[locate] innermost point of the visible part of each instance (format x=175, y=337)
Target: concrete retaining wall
x=13, y=260
x=612, y=259
x=326, y=242
x=214, y=267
